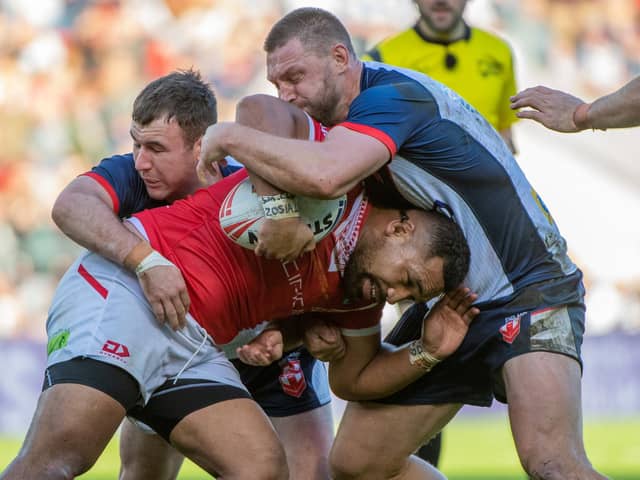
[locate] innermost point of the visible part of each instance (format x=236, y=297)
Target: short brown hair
x=182, y=95
x=317, y=29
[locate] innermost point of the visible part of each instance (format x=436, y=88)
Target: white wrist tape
x=154, y=259
x=282, y=205
x=420, y=357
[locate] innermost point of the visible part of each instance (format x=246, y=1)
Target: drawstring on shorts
x=205, y=337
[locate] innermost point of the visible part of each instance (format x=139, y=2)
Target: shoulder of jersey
x=400, y=39
x=241, y=214
x=492, y=40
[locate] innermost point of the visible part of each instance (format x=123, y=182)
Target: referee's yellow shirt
x=482, y=74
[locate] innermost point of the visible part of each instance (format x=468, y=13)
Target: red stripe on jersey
x=319, y=131
x=107, y=186
x=372, y=132
x=91, y=280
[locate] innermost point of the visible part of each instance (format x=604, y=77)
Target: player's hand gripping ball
x=241, y=214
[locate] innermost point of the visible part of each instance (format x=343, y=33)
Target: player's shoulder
x=122, y=158
x=384, y=80
x=490, y=41
x=120, y=162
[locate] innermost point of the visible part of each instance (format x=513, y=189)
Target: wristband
x=136, y=255
x=419, y=357
x=279, y=206
x=581, y=116
x=154, y=259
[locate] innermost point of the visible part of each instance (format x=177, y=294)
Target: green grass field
x=479, y=449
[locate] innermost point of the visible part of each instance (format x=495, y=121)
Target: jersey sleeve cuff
x=372, y=132
x=108, y=188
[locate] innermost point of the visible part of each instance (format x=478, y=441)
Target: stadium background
x=70, y=69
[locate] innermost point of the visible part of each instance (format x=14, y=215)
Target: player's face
x=166, y=164
x=307, y=80
x=441, y=16
x=393, y=268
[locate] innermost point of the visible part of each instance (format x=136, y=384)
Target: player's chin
x=158, y=192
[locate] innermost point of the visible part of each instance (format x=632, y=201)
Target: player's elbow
x=253, y=110
x=344, y=392
x=62, y=210
x=351, y=392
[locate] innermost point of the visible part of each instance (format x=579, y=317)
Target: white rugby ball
x=241, y=214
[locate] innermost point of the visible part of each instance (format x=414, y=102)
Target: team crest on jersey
x=511, y=328
x=489, y=65
x=292, y=378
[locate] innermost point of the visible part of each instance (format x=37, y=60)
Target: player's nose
x=395, y=295
x=142, y=160
x=287, y=94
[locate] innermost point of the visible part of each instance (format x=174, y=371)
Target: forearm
x=270, y=115
x=90, y=223
x=619, y=109
x=296, y=166
x=388, y=371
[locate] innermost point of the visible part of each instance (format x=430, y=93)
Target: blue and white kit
x=445, y=156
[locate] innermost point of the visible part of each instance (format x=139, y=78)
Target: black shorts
x=168, y=404
x=547, y=316
x=295, y=384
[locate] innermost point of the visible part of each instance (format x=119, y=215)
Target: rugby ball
x=241, y=214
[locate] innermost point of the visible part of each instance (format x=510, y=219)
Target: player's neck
x=351, y=89
x=355, y=75
x=459, y=32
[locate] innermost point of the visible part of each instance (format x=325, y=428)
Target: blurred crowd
x=70, y=69
x=592, y=46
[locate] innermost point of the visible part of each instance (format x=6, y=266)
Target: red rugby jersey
x=233, y=292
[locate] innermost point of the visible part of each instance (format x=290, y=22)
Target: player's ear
x=401, y=225
x=341, y=56
x=197, y=148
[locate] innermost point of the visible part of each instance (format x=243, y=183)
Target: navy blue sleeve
x=118, y=176
x=394, y=113
x=229, y=169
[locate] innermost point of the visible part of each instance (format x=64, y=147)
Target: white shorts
x=99, y=311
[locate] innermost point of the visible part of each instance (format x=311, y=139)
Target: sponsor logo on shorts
x=58, y=341
x=511, y=328
x=292, y=378
x=115, y=350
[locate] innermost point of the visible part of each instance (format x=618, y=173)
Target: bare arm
x=316, y=169
x=287, y=238
x=271, y=115
x=619, y=109
x=563, y=112
x=84, y=213
x=370, y=370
